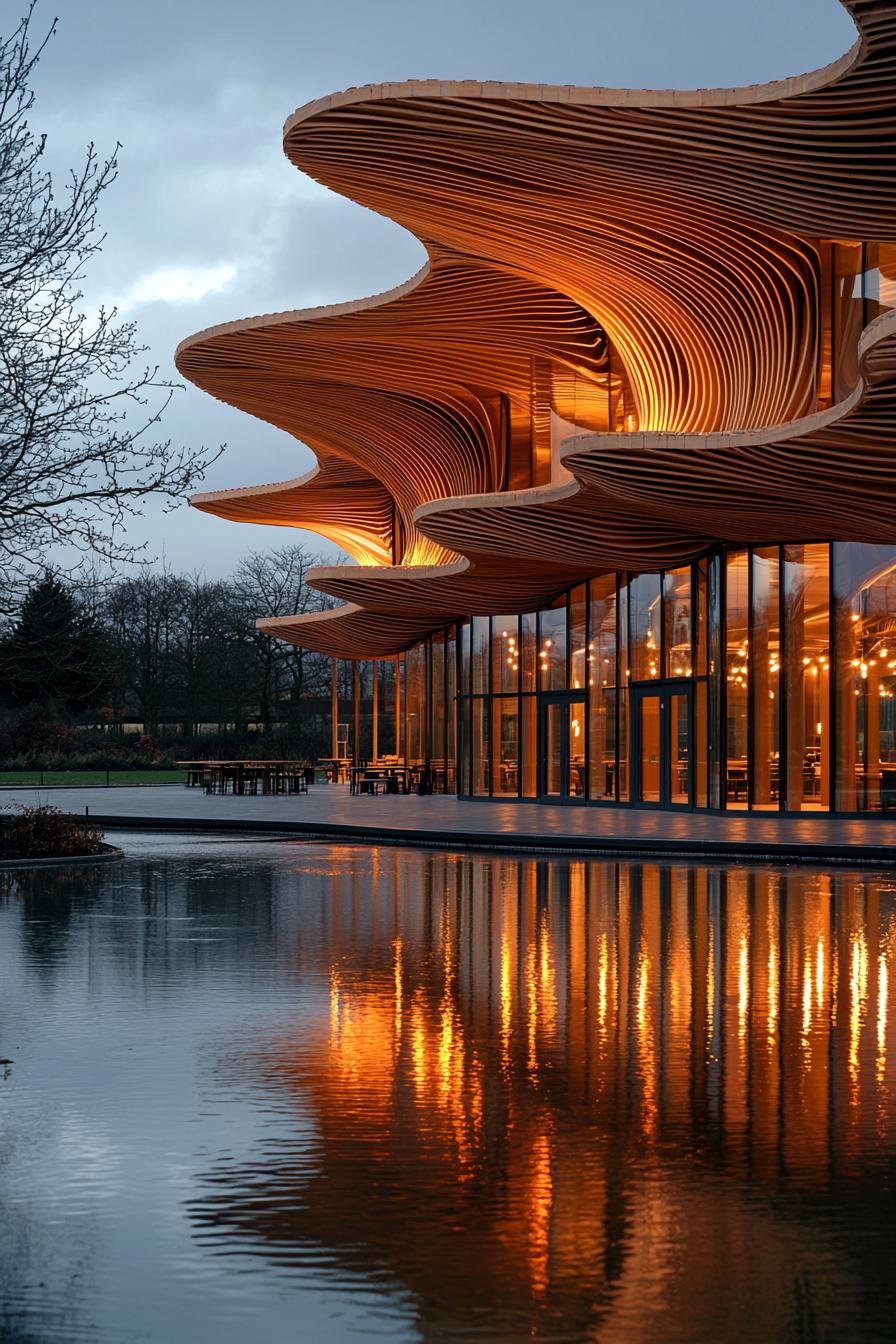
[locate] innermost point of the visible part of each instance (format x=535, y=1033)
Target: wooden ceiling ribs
x=679, y=233
x=405, y=387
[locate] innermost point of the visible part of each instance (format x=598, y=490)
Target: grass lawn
x=96, y=778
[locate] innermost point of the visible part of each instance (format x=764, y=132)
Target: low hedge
x=94, y=760
x=46, y=833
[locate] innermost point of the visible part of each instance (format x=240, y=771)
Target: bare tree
x=184, y=649
x=216, y=657
x=143, y=616
x=78, y=454
x=276, y=585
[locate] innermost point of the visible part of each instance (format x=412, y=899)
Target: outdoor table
x=254, y=777
x=337, y=768
x=392, y=777
x=194, y=771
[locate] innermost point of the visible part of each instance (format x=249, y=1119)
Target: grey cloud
x=197, y=91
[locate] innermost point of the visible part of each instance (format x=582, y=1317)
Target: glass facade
x=757, y=679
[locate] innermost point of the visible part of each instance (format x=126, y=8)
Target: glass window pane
x=505, y=653
x=715, y=664
x=481, y=771
x=701, y=763
x=602, y=632
x=679, y=750
x=701, y=634
x=623, y=764
x=677, y=622
x=602, y=744
x=807, y=676
x=480, y=654
x=865, y=588
x=553, y=727
x=401, y=704
x=386, y=735
x=466, y=742
x=505, y=745
x=437, y=713
x=737, y=655
x=528, y=650
x=575, y=728
x=530, y=746
x=465, y=667
x=644, y=605
x=649, y=733
x=415, y=703
x=847, y=316
x=451, y=709
x=766, y=668
x=577, y=638
x=601, y=680
x=622, y=651
x=552, y=646
x=880, y=279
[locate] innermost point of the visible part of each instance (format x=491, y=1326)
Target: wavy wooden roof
x=681, y=235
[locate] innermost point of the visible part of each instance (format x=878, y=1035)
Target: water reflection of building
x=555, y=1089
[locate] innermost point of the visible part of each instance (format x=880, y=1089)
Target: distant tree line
x=176, y=654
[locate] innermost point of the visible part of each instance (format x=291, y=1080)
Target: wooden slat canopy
x=667, y=253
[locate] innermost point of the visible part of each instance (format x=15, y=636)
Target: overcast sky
x=208, y=222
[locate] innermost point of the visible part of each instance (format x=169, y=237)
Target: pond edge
x=110, y=853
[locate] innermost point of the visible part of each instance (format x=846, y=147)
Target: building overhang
x=684, y=231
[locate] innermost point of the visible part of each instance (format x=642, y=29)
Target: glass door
x=662, y=736
x=562, y=751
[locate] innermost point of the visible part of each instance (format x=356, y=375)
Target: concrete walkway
x=330, y=811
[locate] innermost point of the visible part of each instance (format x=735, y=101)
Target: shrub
x=46, y=833
x=93, y=760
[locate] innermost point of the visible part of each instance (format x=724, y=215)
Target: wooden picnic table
x=392, y=777
x=249, y=777
x=338, y=768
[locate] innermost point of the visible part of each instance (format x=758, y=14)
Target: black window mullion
x=783, y=687
x=833, y=785
x=723, y=678
x=487, y=708
x=520, y=740
x=751, y=685
x=664, y=665
x=568, y=641
x=622, y=583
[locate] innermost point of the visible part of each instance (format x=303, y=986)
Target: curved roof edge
x=592, y=96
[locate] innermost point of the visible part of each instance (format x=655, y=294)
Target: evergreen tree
x=54, y=654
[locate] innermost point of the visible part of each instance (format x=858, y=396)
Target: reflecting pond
x=292, y=1091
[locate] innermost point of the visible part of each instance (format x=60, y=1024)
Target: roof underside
x=682, y=234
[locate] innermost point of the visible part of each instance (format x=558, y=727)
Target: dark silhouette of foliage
x=54, y=656
x=46, y=833
x=175, y=659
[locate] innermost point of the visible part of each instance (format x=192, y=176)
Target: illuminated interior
x=608, y=474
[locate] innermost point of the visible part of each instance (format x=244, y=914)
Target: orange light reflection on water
x=622, y=986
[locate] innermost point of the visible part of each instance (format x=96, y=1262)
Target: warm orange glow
x=679, y=291
x=882, y=1006
x=540, y=1204
x=489, y=1038
x=773, y=987
x=858, y=994
x=646, y=1042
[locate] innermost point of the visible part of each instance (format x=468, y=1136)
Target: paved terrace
x=329, y=811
